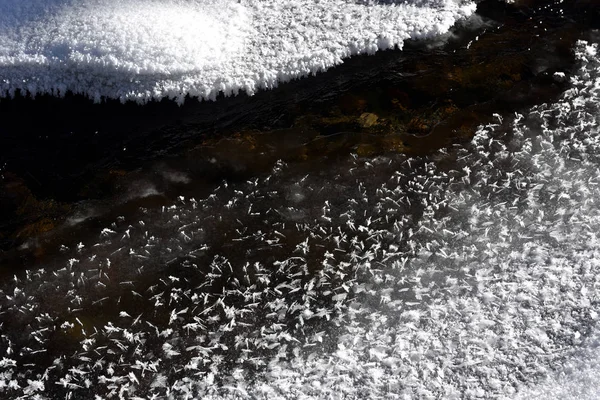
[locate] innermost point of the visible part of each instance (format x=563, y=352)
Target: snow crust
x=152, y=49
x=473, y=273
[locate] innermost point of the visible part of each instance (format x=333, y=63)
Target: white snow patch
x=151, y=49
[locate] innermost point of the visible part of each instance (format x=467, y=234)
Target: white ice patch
x=151, y=49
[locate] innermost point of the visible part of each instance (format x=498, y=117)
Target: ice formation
x=473, y=273
x=152, y=49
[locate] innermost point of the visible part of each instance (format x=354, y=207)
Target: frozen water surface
x=472, y=273
x=151, y=49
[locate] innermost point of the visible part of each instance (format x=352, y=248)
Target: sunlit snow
x=150, y=49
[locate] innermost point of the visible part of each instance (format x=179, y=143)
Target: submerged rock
x=367, y=120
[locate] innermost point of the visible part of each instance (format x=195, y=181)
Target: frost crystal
x=152, y=49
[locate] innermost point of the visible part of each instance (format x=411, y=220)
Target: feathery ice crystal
x=143, y=50
x=468, y=274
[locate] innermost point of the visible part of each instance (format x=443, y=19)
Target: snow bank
x=152, y=49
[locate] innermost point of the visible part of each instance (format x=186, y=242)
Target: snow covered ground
x=473, y=273
x=151, y=49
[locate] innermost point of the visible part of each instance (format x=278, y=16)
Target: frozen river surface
x=470, y=273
